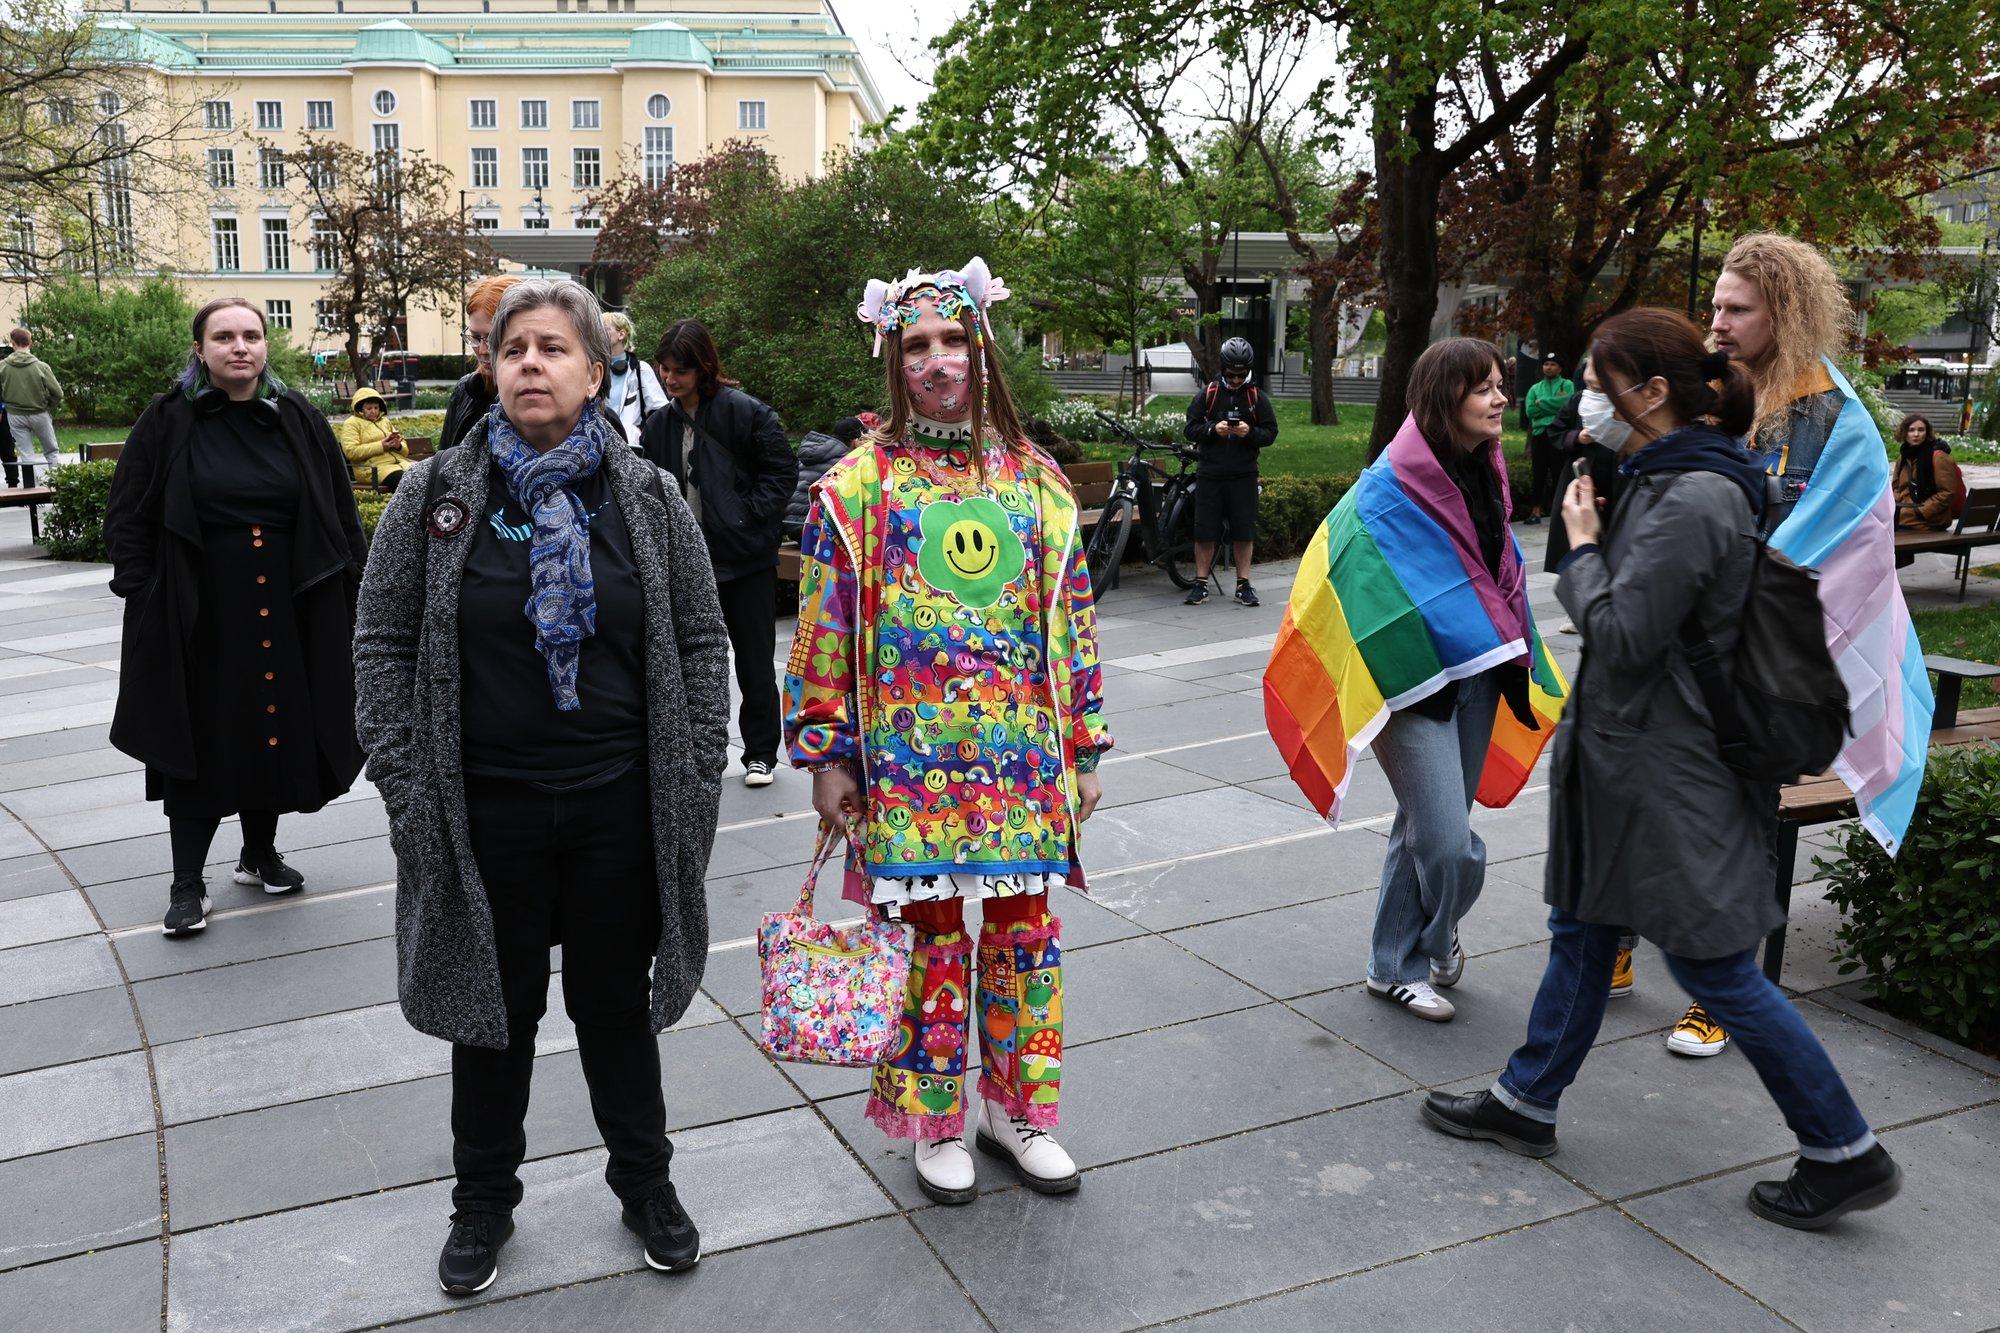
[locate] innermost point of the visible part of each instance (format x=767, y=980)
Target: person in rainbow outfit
x=945, y=692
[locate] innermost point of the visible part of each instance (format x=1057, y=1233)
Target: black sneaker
x=1481, y=1115
x=1246, y=594
x=1818, y=1194
x=1196, y=595
x=672, y=1243
x=267, y=869
x=471, y=1257
x=757, y=773
x=187, y=909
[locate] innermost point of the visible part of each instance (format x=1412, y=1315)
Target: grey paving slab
x=366, y=1260
x=345, y=865
x=736, y=903
x=1136, y=984
x=31, y=877
x=111, y=1291
x=64, y=1028
x=46, y=1109
x=1215, y=888
x=91, y=652
x=1369, y=795
x=1522, y=829
x=1180, y=826
x=60, y=967
x=44, y=745
x=1142, y=689
x=308, y=1057
x=301, y=923
x=17, y=840
x=1638, y=1118
x=1186, y=1231
x=1538, y=1277
x=1924, y=1261
x=68, y=674
x=1293, y=950
x=30, y=774
x=1223, y=715
x=1856, y=1000
x=268, y=990
x=732, y=855
x=84, y=1198
x=1244, y=759
x=129, y=858
x=66, y=829
x=378, y=1138
x=1492, y=1002
x=1130, y=781
x=1197, y=1081
x=46, y=916
x=1087, y=923
x=89, y=793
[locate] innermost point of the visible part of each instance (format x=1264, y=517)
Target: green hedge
x=371, y=506
x=1291, y=509
x=74, y=527
x=1926, y=923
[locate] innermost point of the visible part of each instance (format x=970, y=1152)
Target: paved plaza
x=239, y=1132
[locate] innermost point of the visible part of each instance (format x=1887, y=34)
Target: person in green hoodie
x=33, y=395
x=1546, y=398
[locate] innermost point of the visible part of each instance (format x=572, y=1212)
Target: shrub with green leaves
x=1926, y=923
x=73, y=528
x=371, y=506
x=1291, y=509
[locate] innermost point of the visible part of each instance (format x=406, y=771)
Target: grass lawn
x=1972, y=633
x=1305, y=450
x=69, y=437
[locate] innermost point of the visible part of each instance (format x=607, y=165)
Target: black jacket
x=470, y=398
x=818, y=451
x=744, y=470
x=154, y=539
x=1230, y=457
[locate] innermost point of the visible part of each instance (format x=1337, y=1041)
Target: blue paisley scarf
x=562, y=605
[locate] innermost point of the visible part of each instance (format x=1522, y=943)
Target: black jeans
x=1545, y=481
x=750, y=611
x=575, y=868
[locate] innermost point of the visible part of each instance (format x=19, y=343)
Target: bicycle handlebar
x=1138, y=441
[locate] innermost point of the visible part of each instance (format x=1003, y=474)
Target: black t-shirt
x=241, y=469
x=511, y=726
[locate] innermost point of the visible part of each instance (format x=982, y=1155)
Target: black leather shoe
x=471, y=1258
x=1818, y=1194
x=1480, y=1115
x=672, y=1243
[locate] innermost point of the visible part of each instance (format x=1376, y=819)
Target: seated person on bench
x=1930, y=493
x=375, y=451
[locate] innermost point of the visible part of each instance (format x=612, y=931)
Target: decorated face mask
x=940, y=386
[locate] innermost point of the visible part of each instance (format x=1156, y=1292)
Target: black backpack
x=1780, y=707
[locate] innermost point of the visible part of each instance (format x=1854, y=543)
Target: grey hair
x=574, y=300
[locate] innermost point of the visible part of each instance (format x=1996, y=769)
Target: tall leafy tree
x=643, y=221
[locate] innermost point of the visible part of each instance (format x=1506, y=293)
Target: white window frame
x=279, y=313
x=271, y=173
x=744, y=117
x=484, y=170
x=275, y=120
x=324, y=243
x=578, y=161
x=665, y=109
x=60, y=110
x=315, y=121
x=266, y=230
x=1977, y=210
x=587, y=222
x=216, y=233
x=222, y=168
x=542, y=114
x=529, y=179
x=375, y=102
x=388, y=157
x=486, y=222
x=217, y=114
x=534, y=221
x=657, y=167
x=490, y=105
x=578, y=120
x=326, y=317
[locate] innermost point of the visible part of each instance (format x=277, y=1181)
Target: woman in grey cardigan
x=1648, y=827
x=541, y=671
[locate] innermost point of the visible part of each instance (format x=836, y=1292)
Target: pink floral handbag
x=832, y=996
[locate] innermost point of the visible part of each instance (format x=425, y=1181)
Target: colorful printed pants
x=920, y=1087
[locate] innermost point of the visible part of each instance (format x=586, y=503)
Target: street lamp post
x=1976, y=326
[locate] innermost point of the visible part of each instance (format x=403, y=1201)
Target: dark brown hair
x=1650, y=342
x=1442, y=377
x=687, y=343
x=993, y=420
x=1903, y=429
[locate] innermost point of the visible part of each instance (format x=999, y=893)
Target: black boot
x=1817, y=1194
x=1480, y=1115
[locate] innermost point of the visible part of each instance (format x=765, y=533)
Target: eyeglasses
x=479, y=339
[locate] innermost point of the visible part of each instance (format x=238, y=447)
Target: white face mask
x=1594, y=410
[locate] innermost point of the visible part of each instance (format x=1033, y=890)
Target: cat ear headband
x=891, y=306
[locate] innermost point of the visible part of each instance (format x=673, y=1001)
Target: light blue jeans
x=1436, y=864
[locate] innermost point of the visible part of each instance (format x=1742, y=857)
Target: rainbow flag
x=1844, y=528
x=1391, y=603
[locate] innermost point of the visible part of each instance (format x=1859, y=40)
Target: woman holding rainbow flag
x=1649, y=826
x=1409, y=630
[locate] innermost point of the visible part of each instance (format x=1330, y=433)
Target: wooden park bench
x=30, y=498
x=97, y=453
x=1977, y=525
x=1090, y=482
x=1826, y=798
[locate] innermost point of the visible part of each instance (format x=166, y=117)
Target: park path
x=240, y=1133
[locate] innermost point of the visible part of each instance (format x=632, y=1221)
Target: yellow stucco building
x=533, y=104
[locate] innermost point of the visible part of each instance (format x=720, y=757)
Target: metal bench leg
x=1964, y=572
x=35, y=524
x=1788, y=851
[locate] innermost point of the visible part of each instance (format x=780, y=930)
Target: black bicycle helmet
x=1237, y=354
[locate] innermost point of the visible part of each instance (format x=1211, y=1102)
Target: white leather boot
x=944, y=1170
x=1037, y=1159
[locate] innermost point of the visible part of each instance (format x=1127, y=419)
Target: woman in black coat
x=235, y=543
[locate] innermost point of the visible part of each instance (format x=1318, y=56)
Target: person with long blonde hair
x=945, y=693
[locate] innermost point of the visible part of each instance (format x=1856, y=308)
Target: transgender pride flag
x=1844, y=528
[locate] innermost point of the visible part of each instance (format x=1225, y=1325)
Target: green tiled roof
x=398, y=41
x=668, y=42
x=119, y=40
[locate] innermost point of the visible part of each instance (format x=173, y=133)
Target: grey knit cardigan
x=407, y=665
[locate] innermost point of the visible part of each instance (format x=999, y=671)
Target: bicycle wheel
x=1177, y=541
x=1106, y=547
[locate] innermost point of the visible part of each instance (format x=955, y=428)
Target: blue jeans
x=1436, y=864
x=1569, y=1008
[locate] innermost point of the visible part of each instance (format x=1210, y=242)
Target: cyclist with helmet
x=1230, y=421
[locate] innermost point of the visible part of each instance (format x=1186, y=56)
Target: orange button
x=274, y=740
x=263, y=610
x=270, y=675
x=270, y=708
x=257, y=543
x=267, y=643
x=262, y=579
x=256, y=532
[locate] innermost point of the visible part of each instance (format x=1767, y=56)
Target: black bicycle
x=1161, y=503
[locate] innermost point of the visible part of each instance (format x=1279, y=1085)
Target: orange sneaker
x=1698, y=1034
x=1621, y=974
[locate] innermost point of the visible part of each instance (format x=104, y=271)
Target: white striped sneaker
x=1446, y=974
x=1415, y=996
